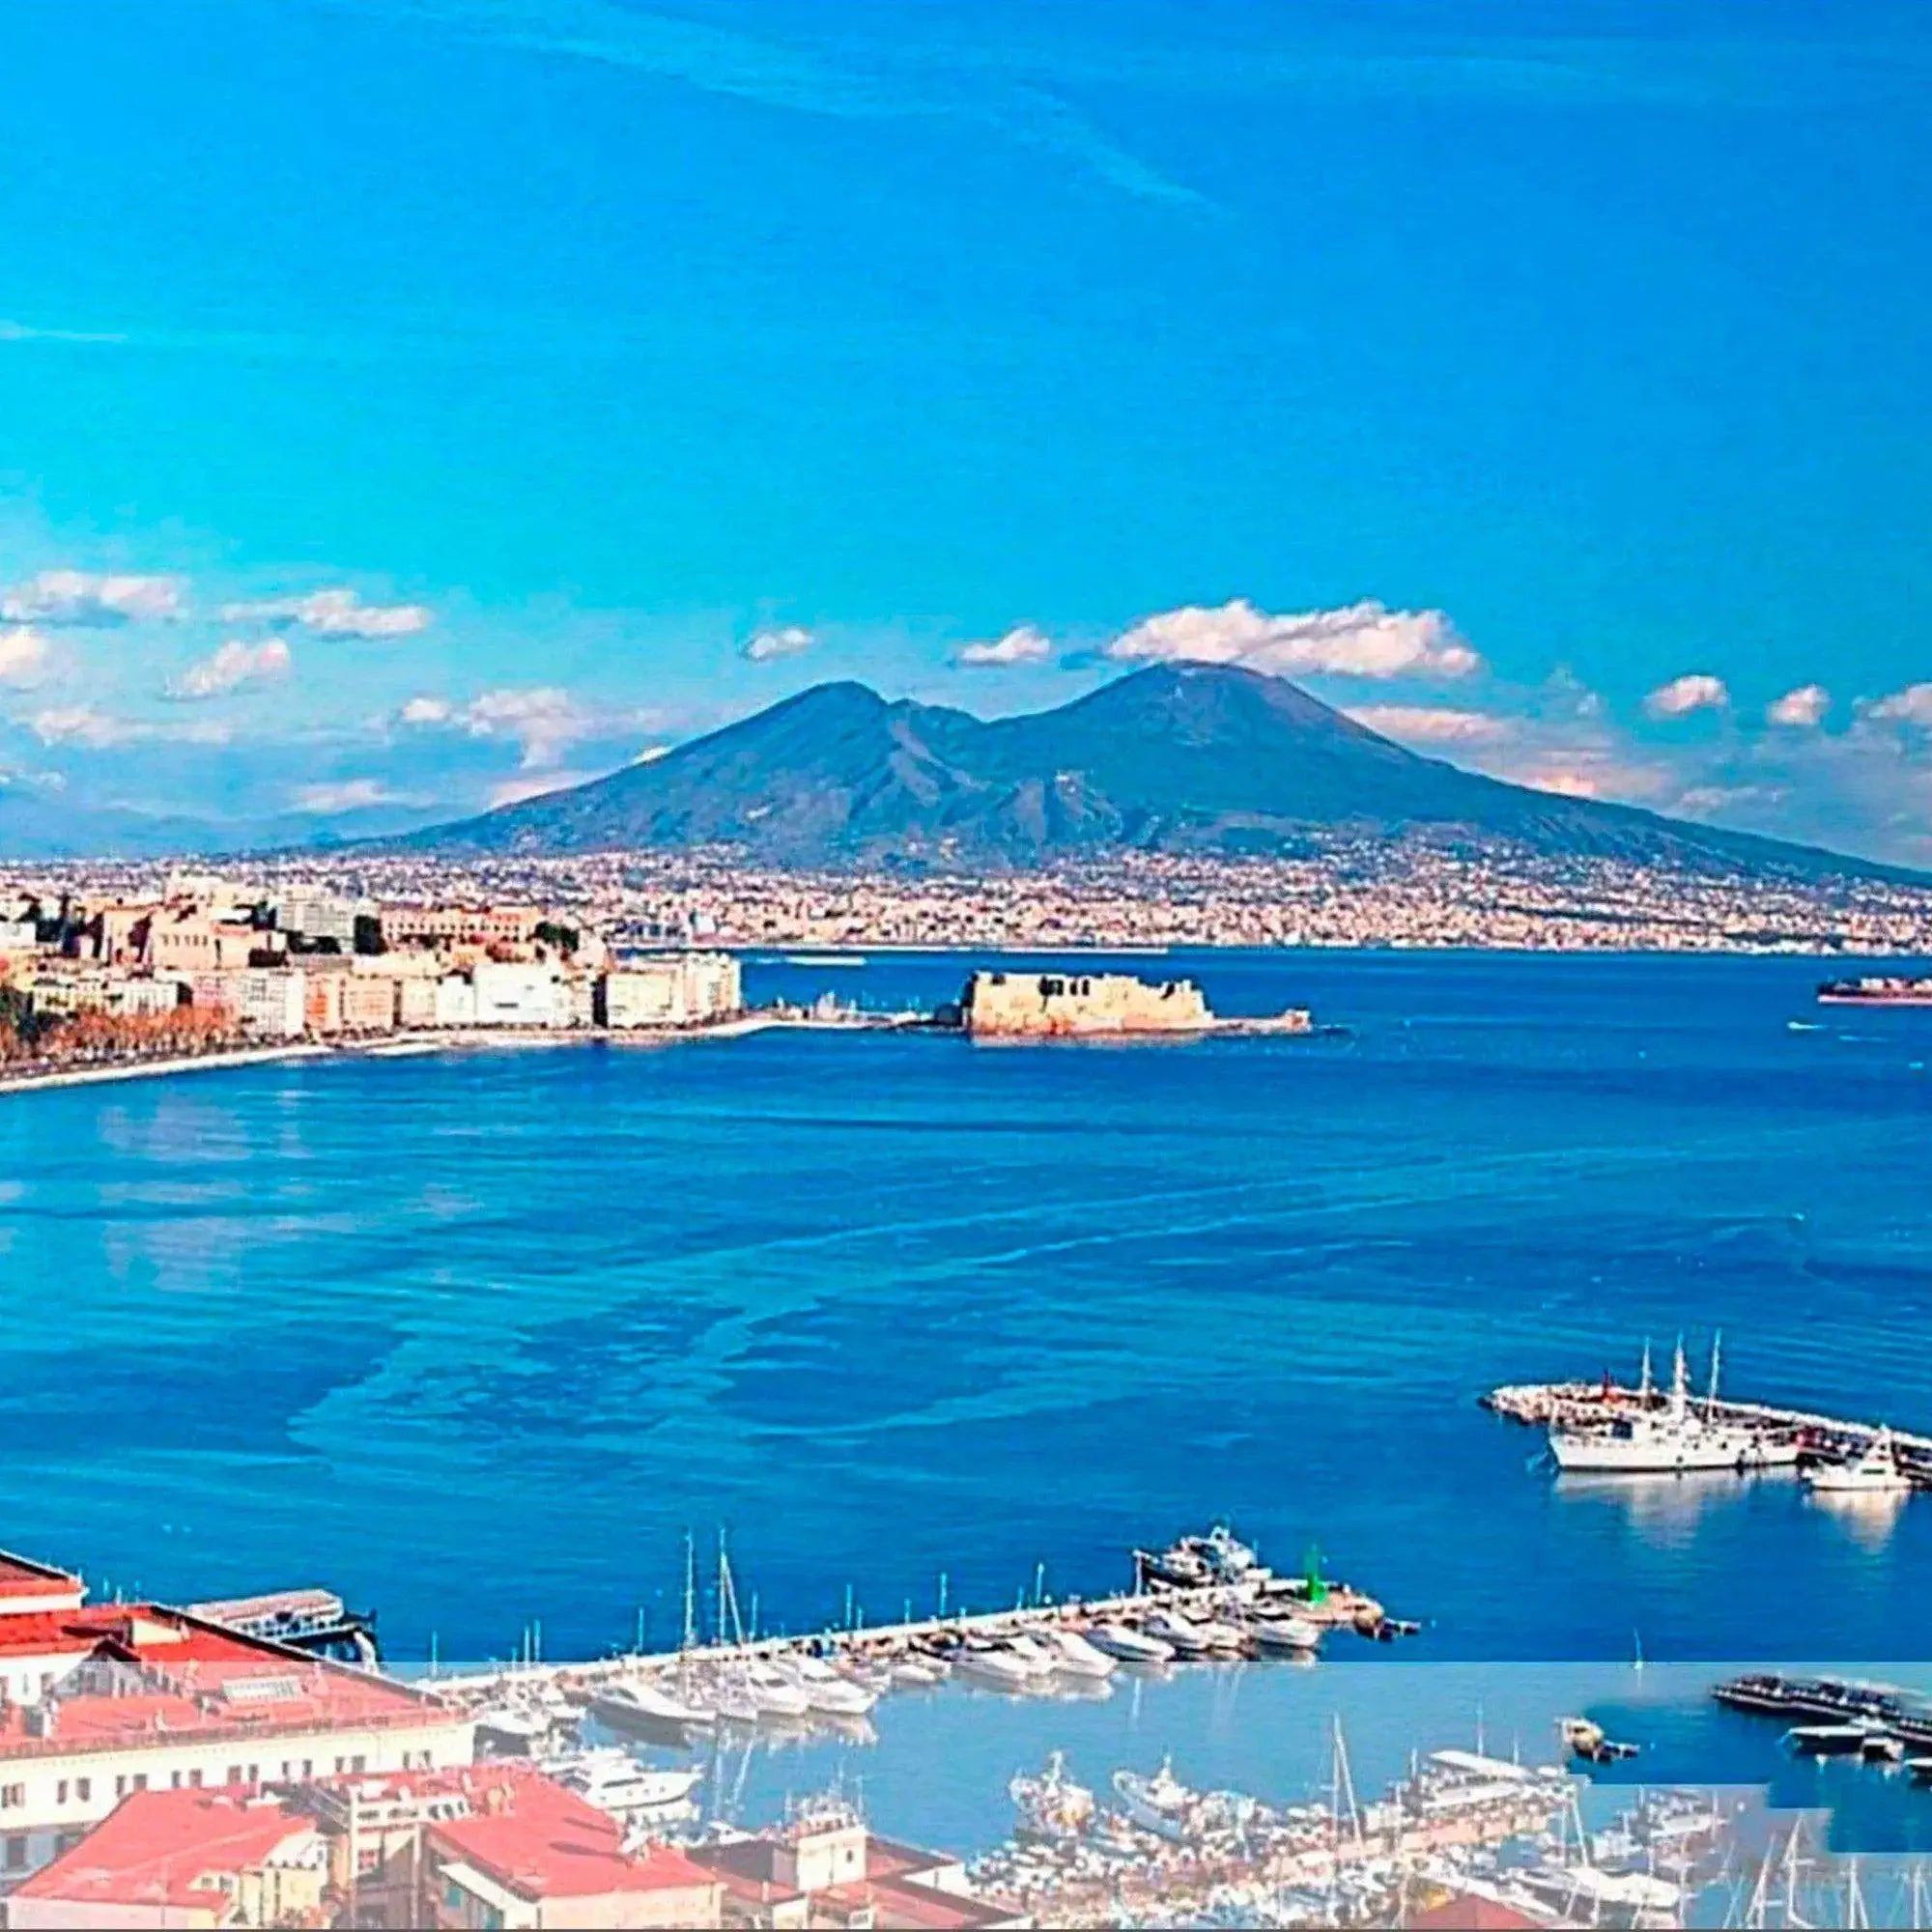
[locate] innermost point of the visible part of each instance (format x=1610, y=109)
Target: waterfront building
x=104, y=1700
x=516, y=993
x=670, y=989
x=186, y=1858
x=272, y=1000
x=180, y=939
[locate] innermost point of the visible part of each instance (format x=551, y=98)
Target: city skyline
x=1541, y=393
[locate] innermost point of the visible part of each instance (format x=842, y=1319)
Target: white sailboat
x=1671, y=1442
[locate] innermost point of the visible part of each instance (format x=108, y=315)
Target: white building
x=671, y=989
x=455, y=1001
x=517, y=993
x=272, y=1000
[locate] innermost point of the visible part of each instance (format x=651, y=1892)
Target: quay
x=1232, y=1603
x=1579, y=1405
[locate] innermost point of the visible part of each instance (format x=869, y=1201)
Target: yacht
x=1190, y=1561
x=1679, y=1437
x=1274, y=1631
x=830, y=1692
x=1182, y=1635
x=997, y=1667
x=1160, y=1803
x=776, y=1692
x=636, y=1700
x=1128, y=1644
x=1873, y=1471
x=614, y=1781
x=1074, y=1656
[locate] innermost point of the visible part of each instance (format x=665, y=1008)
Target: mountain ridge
x=1177, y=758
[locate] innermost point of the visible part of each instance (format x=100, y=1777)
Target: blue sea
x=474, y=1338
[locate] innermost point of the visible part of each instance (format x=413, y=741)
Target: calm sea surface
x=473, y=1337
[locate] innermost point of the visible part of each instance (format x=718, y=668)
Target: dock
x=1330, y=1607
x=1579, y=1405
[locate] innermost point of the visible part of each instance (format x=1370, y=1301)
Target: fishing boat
x=1122, y=1641
x=1679, y=1437
x=1160, y=1803
x=1051, y=1806
x=1873, y=1472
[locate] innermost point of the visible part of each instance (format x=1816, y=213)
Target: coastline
x=142, y=1070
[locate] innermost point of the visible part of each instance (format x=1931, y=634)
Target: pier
x=1596, y=1403
x=1229, y=1604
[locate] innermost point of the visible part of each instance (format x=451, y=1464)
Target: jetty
x=1599, y=1403
x=1234, y=1602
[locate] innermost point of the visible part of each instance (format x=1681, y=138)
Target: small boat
x=1584, y=1738
x=507, y=1731
x=1919, y=1770
x=1035, y=1654
x=1272, y=1631
x=1129, y=1645
x=1882, y=1748
x=918, y=1672
x=1074, y=1656
x=999, y=1668
x=615, y=1783
x=1873, y=1471
x=776, y=1692
x=637, y=1700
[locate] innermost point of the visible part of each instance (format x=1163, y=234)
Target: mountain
x=1174, y=758
x=35, y=825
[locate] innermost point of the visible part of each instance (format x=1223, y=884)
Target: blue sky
x=411, y=403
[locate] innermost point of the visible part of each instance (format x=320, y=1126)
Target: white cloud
x=81, y=597
x=1024, y=644
x=544, y=720
x=332, y=613
x=1803, y=709
x=1911, y=707
x=782, y=641
x=23, y=655
x=1365, y=639
x=232, y=665
x=1432, y=725
x=342, y=795
x=1694, y=691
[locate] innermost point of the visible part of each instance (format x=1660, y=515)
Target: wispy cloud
x=335, y=796
x=1365, y=639
x=1024, y=644
x=95, y=730
x=96, y=600
x=778, y=641
x=27, y=331
x=881, y=83
x=332, y=614
x=230, y=666
x=1433, y=723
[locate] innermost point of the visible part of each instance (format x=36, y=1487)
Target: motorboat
x=1679, y=1437
x=1074, y=1656
x=830, y=1692
x=1275, y=1631
x=997, y=1667
x=1035, y=1654
x=1160, y=1803
x=508, y=1731
x=1873, y=1472
x=1828, y=1740
x=918, y=1672
x=1190, y=1561
x=1128, y=1645
x=629, y=1701
x=1182, y=1635
x=776, y=1692
x=614, y=1781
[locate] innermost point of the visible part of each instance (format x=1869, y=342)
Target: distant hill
x=1174, y=758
